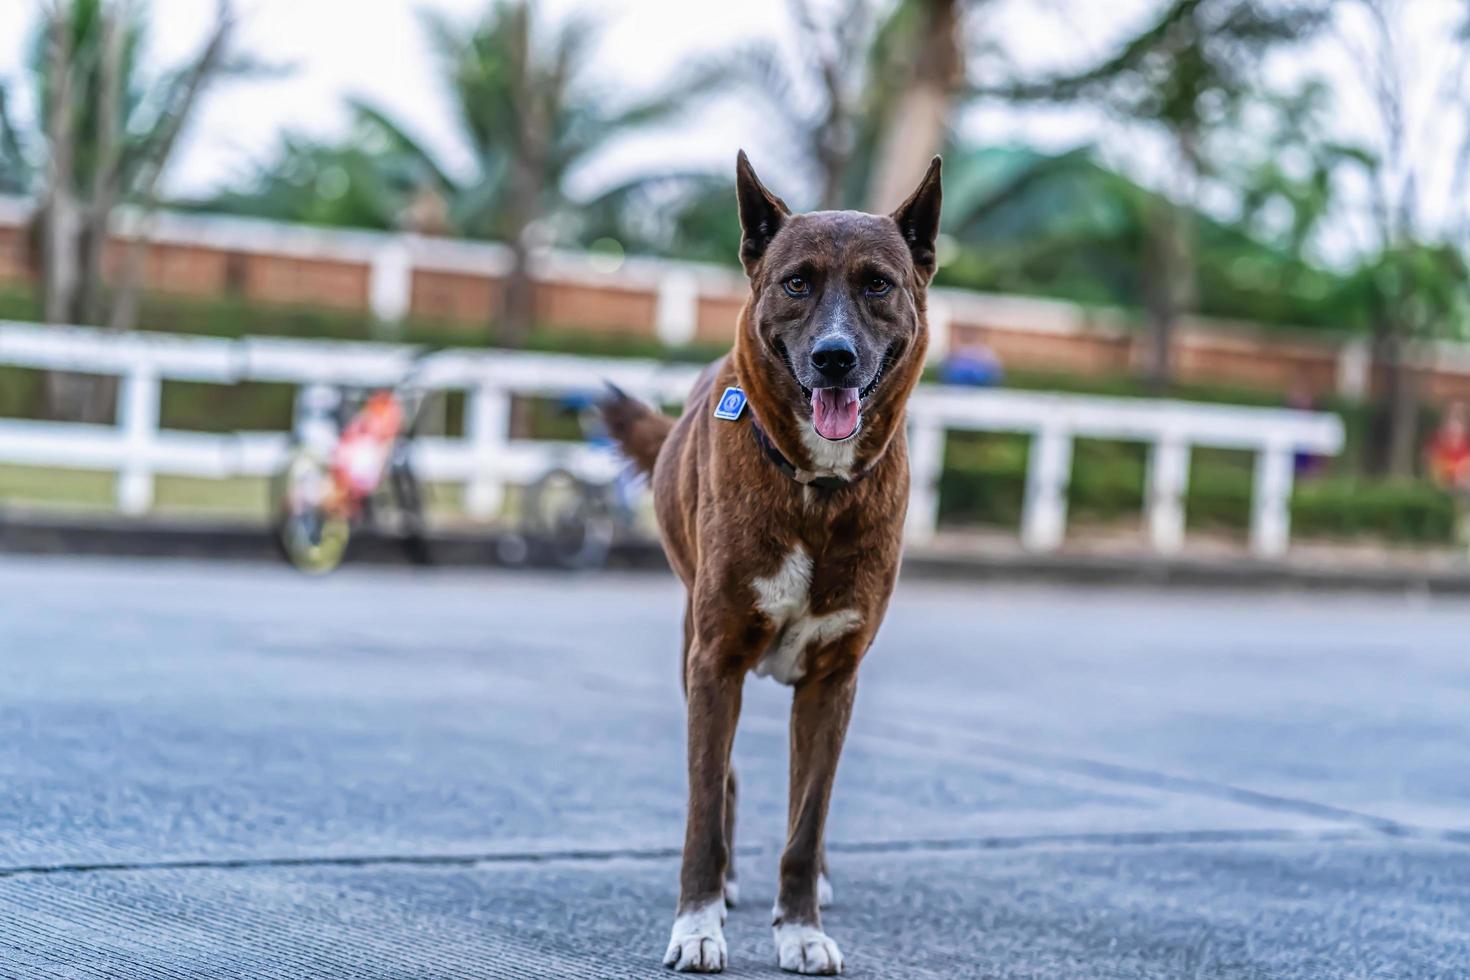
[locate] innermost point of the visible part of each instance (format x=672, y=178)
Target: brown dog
x=781, y=494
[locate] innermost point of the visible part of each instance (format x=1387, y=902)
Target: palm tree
x=1185, y=74
x=1064, y=225
x=530, y=115
x=933, y=37
x=832, y=94
x=860, y=105
x=358, y=182
x=103, y=133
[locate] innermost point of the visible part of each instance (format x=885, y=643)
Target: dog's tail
x=639, y=429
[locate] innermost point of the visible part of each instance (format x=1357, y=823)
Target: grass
x=95, y=490
x=66, y=489
x=43, y=488
x=235, y=497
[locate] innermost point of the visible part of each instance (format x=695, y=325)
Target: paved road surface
x=214, y=770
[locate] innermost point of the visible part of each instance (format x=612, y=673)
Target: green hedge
x=984, y=482
x=1398, y=510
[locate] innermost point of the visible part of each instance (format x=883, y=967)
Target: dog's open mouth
x=837, y=412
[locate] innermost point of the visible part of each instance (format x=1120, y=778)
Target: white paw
x=732, y=893
x=697, y=944
x=804, y=949
x=824, y=891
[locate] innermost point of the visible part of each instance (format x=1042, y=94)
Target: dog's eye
x=878, y=286
x=797, y=286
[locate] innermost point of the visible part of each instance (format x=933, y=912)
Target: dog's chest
x=835, y=458
x=785, y=598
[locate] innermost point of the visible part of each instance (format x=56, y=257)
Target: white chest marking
x=828, y=456
x=786, y=598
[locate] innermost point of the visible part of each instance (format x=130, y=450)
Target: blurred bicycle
x=574, y=522
x=350, y=467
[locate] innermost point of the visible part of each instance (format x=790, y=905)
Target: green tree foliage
x=1064, y=225
x=141, y=111
x=527, y=109
x=103, y=132
x=1185, y=75
x=359, y=182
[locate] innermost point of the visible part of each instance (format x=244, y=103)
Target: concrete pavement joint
x=343, y=861
x=598, y=855
x=1153, y=779
x=930, y=736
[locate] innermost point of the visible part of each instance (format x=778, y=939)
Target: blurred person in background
x=1449, y=451
x=1301, y=399
x=1448, y=458
x=972, y=364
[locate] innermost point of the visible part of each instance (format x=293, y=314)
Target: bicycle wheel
x=570, y=519
x=411, y=525
x=310, y=534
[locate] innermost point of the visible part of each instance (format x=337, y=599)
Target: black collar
x=805, y=477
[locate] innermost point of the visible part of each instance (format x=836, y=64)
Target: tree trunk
x=68, y=395
x=183, y=99
x=832, y=165
x=527, y=171
x=1167, y=287
x=915, y=130
x=1403, y=432
x=1393, y=445
x=518, y=301
x=92, y=303
x=60, y=220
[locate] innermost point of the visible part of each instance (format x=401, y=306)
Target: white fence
x=486, y=459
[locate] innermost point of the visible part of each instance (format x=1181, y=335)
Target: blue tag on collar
x=732, y=403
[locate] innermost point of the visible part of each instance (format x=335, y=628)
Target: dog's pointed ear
x=918, y=220
x=761, y=213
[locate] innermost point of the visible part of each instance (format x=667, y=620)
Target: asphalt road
x=216, y=770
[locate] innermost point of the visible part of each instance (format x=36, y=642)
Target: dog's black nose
x=834, y=358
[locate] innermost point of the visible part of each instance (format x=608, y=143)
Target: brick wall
x=599, y=308
x=461, y=283
x=1247, y=360
x=1090, y=354
x=453, y=297
x=13, y=255
x=306, y=282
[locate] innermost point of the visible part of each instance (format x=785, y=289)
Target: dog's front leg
x=698, y=940
x=820, y=709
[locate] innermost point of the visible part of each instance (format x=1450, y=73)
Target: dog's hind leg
x=820, y=709
x=713, y=691
x=732, y=887
x=824, y=880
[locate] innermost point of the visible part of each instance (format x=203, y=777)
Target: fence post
x=676, y=308
x=926, y=462
x=487, y=431
x=1044, y=512
x=1271, y=501
x=1168, y=478
x=941, y=329
x=1354, y=369
x=137, y=420
x=390, y=280
x=312, y=420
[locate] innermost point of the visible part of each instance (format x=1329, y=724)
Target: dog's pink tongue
x=835, y=412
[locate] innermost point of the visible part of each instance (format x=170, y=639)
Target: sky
x=375, y=50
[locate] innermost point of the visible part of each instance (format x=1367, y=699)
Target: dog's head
x=837, y=298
